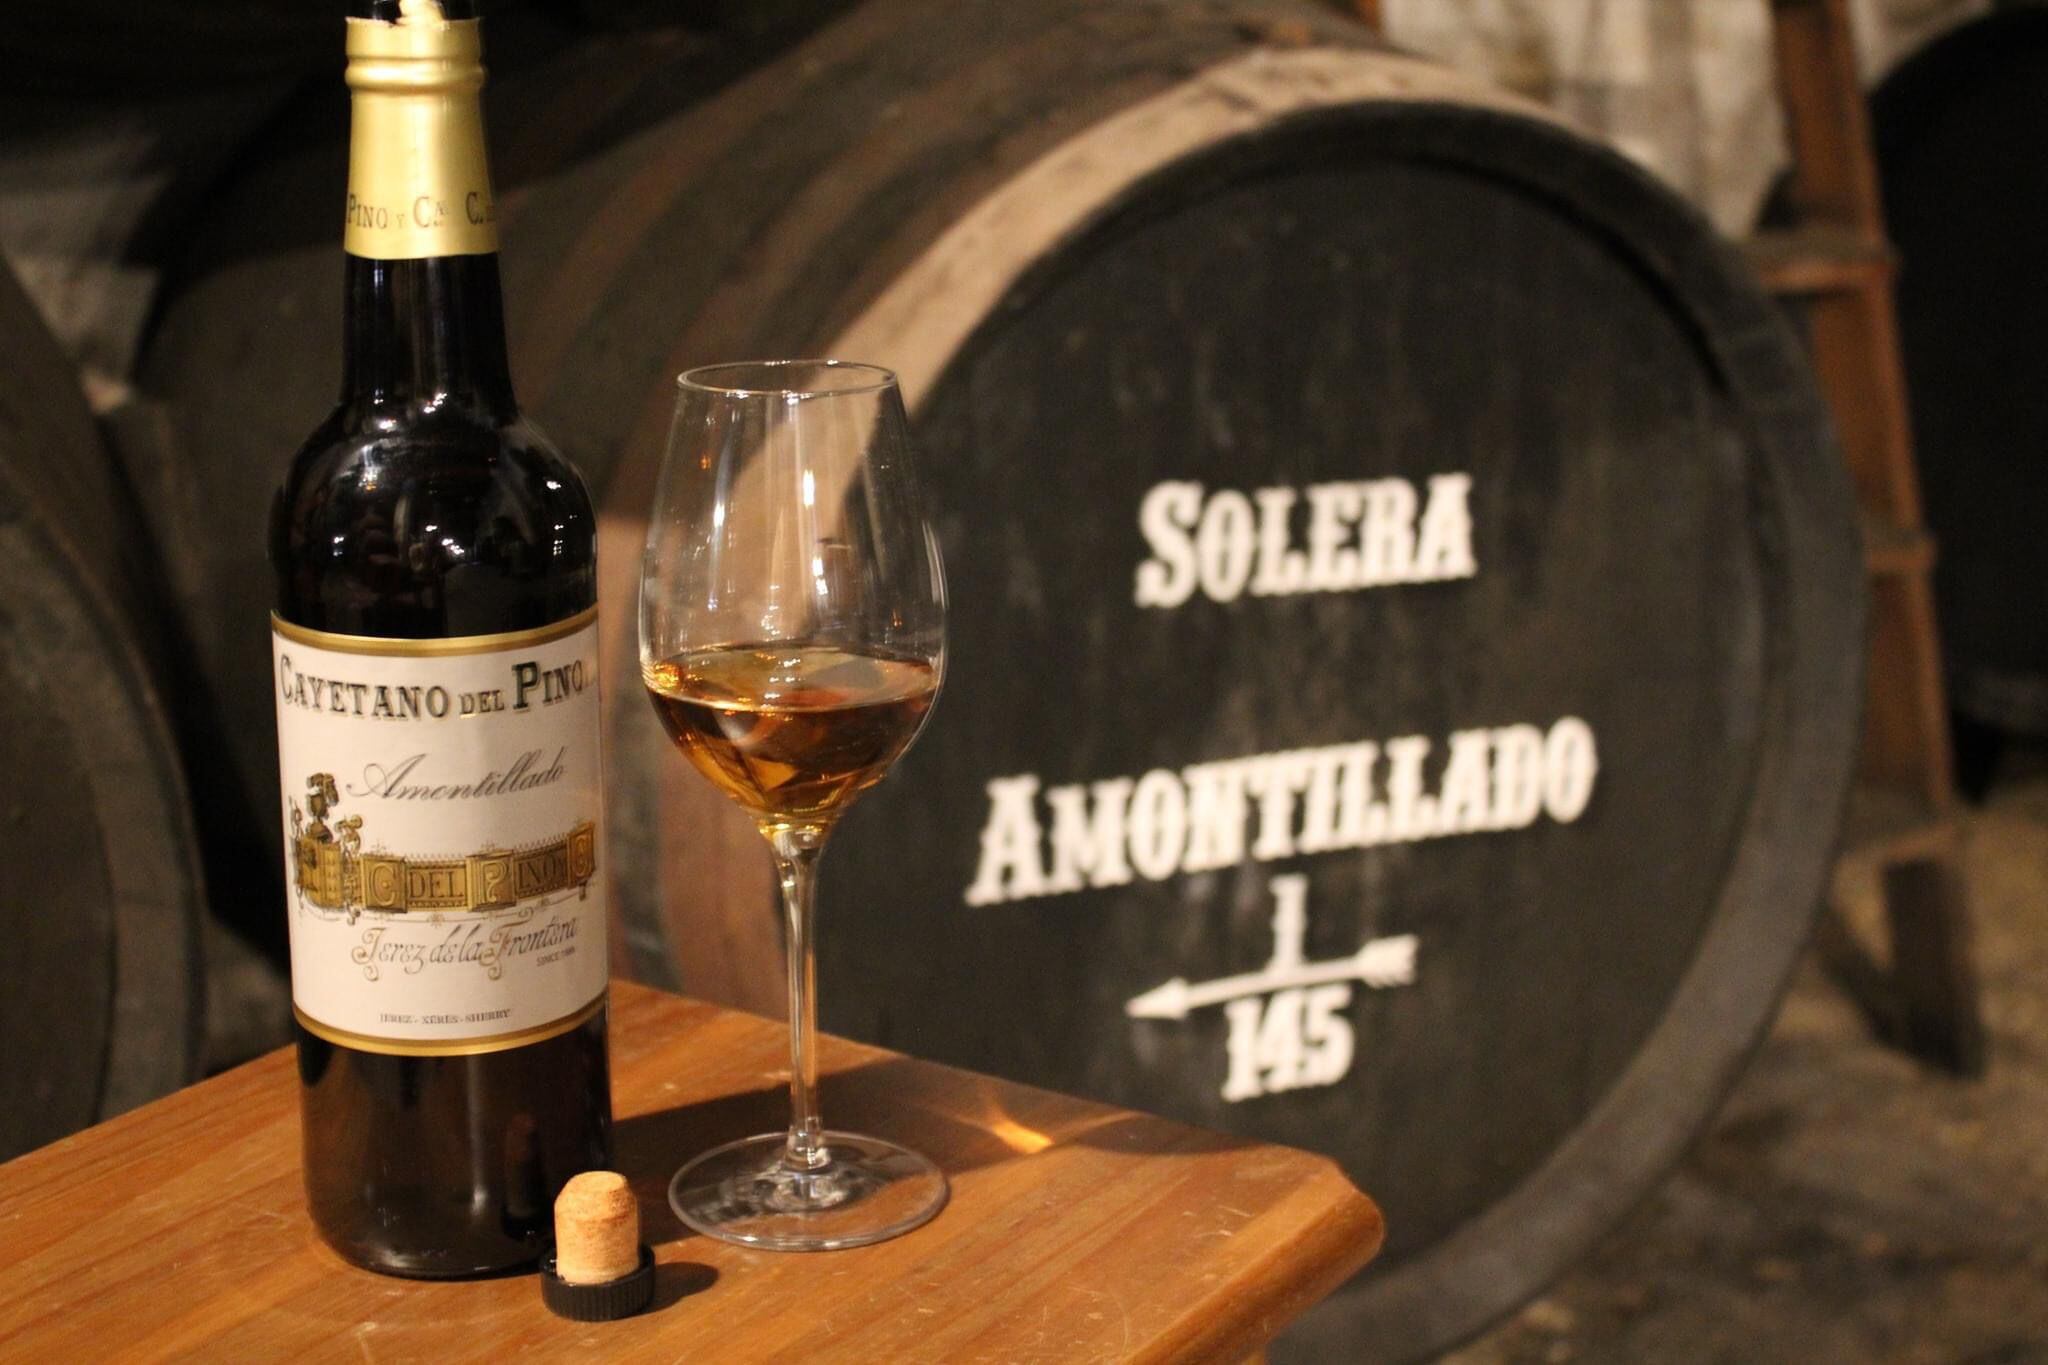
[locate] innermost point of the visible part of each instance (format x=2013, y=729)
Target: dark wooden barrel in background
x=1961, y=132
x=1223, y=251
x=101, y=871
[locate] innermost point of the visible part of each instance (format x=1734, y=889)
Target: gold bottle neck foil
x=418, y=181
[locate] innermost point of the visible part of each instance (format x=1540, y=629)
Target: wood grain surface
x=1076, y=1232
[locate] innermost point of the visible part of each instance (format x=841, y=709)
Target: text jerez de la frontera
x=1287, y=1029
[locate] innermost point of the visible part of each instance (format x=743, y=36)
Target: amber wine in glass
x=792, y=732
x=792, y=628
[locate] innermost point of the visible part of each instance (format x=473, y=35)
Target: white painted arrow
x=1382, y=962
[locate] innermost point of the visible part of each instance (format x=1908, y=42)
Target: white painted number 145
x=1287, y=1040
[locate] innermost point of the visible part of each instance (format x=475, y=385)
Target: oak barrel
x=102, y=886
x=1406, y=608
x=1961, y=132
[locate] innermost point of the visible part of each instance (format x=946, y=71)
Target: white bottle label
x=442, y=804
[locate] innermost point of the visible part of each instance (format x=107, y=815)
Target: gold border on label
x=450, y=1047
x=395, y=647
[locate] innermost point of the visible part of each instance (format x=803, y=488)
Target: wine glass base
x=869, y=1191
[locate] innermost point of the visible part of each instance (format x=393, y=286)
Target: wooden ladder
x=1903, y=820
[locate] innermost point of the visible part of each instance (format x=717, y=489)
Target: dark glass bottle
x=427, y=508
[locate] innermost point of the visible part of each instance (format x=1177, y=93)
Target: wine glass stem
x=796, y=860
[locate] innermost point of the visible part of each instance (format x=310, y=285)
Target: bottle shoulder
x=428, y=440
x=426, y=520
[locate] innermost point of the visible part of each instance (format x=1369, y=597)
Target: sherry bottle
x=435, y=650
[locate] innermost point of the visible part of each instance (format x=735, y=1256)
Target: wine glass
x=792, y=638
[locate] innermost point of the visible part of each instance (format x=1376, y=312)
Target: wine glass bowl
x=792, y=640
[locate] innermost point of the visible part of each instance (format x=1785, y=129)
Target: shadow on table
x=962, y=1121
x=677, y=1280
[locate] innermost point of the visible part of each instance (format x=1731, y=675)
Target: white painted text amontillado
x=1041, y=841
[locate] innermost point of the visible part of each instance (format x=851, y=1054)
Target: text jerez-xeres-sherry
x=435, y=645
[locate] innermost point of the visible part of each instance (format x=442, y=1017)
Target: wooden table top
x=1076, y=1231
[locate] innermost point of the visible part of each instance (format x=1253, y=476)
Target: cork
x=597, y=1229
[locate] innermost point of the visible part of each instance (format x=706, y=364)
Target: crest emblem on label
x=334, y=872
